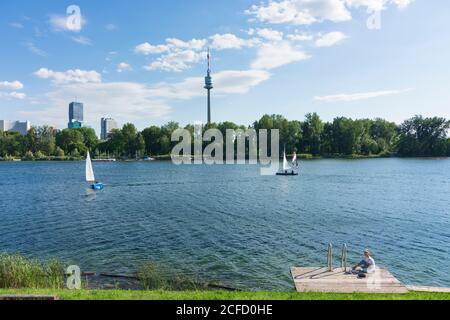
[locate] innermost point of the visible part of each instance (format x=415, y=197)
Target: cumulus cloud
x=276, y=54
x=11, y=85
x=147, y=49
x=300, y=37
x=307, y=12
x=69, y=76
x=300, y=12
x=175, y=54
x=330, y=39
x=358, y=96
x=229, y=41
x=123, y=66
x=176, y=61
x=268, y=34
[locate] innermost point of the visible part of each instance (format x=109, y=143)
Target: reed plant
x=18, y=272
x=153, y=276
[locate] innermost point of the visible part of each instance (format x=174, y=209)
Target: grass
x=64, y=294
x=19, y=272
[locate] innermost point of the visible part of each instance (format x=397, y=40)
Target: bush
x=40, y=156
x=28, y=156
x=17, y=272
x=155, y=277
x=59, y=152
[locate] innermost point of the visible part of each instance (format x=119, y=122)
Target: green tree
x=312, y=130
x=152, y=139
x=71, y=139
x=423, y=137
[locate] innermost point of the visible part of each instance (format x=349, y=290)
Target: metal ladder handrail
x=344, y=257
x=330, y=258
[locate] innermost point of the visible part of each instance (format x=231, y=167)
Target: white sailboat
x=289, y=170
x=90, y=177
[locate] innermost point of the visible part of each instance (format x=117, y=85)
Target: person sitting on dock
x=367, y=265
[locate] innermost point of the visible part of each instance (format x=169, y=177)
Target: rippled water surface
x=228, y=224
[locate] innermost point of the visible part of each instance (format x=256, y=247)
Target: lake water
x=228, y=224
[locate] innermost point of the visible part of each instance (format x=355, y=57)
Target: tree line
x=418, y=136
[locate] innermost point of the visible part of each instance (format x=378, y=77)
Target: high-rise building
x=209, y=86
x=107, y=124
x=76, y=115
x=15, y=126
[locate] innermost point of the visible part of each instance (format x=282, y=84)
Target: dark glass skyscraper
x=75, y=114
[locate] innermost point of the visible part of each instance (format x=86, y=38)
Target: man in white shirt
x=367, y=265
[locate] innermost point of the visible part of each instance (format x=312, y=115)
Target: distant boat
x=149, y=159
x=90, y=174
x=289, y=170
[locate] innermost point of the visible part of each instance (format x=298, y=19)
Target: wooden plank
x=320, y=280
x=27, y=298
x=428, y=289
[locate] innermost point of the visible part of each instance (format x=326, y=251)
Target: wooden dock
x=337, y=281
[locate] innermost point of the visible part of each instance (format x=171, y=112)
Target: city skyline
x=308, y=58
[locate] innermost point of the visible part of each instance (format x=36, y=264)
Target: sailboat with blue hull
x=95, y=185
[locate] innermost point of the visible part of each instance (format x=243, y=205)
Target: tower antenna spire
x=209, y=62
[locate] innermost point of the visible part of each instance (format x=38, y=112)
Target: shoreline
x=303, y=157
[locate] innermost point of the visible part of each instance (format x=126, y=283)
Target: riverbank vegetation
x=19, y=272
x=22, y=276
x=343, y=137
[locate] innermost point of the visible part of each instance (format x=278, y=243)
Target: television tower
x=209, y=86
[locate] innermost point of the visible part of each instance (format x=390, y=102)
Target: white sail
x=285, y=163
x=89, y=170
x=294, y=159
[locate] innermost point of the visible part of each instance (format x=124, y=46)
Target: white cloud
x=177, y=55
x=14, y=85
x=402, y=4
x=330, y=39
x=13, y=95
x=61, y=23
x=270, y=34
x=378, y=5
x=300, y=12
x=277, y=54
x=307, y=12
x=69, y=76
x=300, y=37
x=176, y=61
x=358, y=96
x=125, y=101
x=82, y=40
x=123, y=66
x=229, y=41
x=194, y=44
x=147, y=49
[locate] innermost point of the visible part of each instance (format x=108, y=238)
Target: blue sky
x=144, y=61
